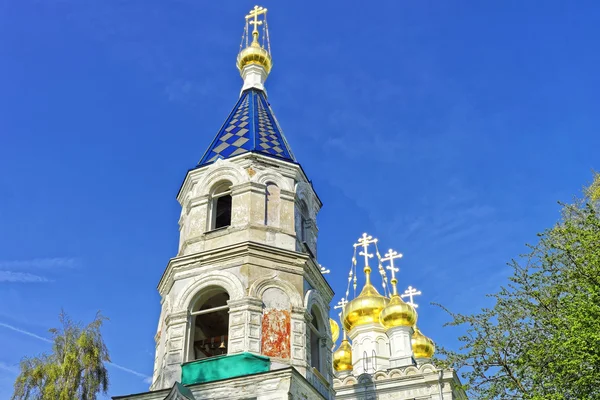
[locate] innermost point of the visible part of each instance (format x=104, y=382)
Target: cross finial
x=254, y=13
x=390, y=256
x=364, y=242
x=342, y=304
x=410, y=293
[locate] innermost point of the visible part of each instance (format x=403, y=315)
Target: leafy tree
x=541, y=339
x=74, y=370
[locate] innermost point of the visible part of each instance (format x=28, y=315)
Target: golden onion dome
x=335, y=330
x=422, y=346
x=342, y=357
x=255, y=54
x=397, y=313
x=365, y=308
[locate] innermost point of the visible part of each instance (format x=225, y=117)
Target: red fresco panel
x=276, y=333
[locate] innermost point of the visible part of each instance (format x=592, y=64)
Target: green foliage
x=541, y=339
x=75, y=368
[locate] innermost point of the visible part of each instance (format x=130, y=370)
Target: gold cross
x=254, y=13
x=410, y=293
x=390, y=256
x=341, y=304
x=364, y=242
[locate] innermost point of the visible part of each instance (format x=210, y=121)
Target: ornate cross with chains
x=390, y=256
x=254, y=13
x=364, y=242
x=410, y=293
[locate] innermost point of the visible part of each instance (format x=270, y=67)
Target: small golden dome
x=365, y=308
x=254, y=54
x=398, y=313
x=335, y=330
x=422, y=346
x=342, y=357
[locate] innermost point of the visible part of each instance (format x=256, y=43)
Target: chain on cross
x=410, y=293
x=364, y=242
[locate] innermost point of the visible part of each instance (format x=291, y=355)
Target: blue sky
x=446, y=129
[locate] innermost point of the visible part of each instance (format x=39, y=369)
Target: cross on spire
x=390, y=256
x=254, y=13
x=410, y=293
x=364, y=242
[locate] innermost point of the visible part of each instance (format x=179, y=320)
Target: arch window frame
x=221, y=199
x=201, y=298
x=316, y=336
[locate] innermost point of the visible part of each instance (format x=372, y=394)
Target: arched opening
x=272, y=204
x=315, y=340
x=210, y=324
x=220, y=206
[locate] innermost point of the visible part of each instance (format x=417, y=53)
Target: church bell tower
x=244, y=294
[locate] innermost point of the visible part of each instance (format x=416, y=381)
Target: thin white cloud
x=24, y=332
x=39, y=263
x=21, y=277
x=147, y=379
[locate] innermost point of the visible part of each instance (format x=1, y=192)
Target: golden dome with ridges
x=397, y=313
x=335, y=330
x=422, y=346
x=342, y=357
x=254, y=54
x=365, y=308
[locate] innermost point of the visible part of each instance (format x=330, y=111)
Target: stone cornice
x=397, y=380
x=240, y=253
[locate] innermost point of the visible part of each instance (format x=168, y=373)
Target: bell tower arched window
x=220, y=206
x=209, y=324
x=315, y=341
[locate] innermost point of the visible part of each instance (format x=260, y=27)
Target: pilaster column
x=400, y=346
x=244, y=325
x=368, y=339
x=300, y=341
x=176, y=324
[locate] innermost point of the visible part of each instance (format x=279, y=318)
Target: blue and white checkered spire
x=250, y=127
